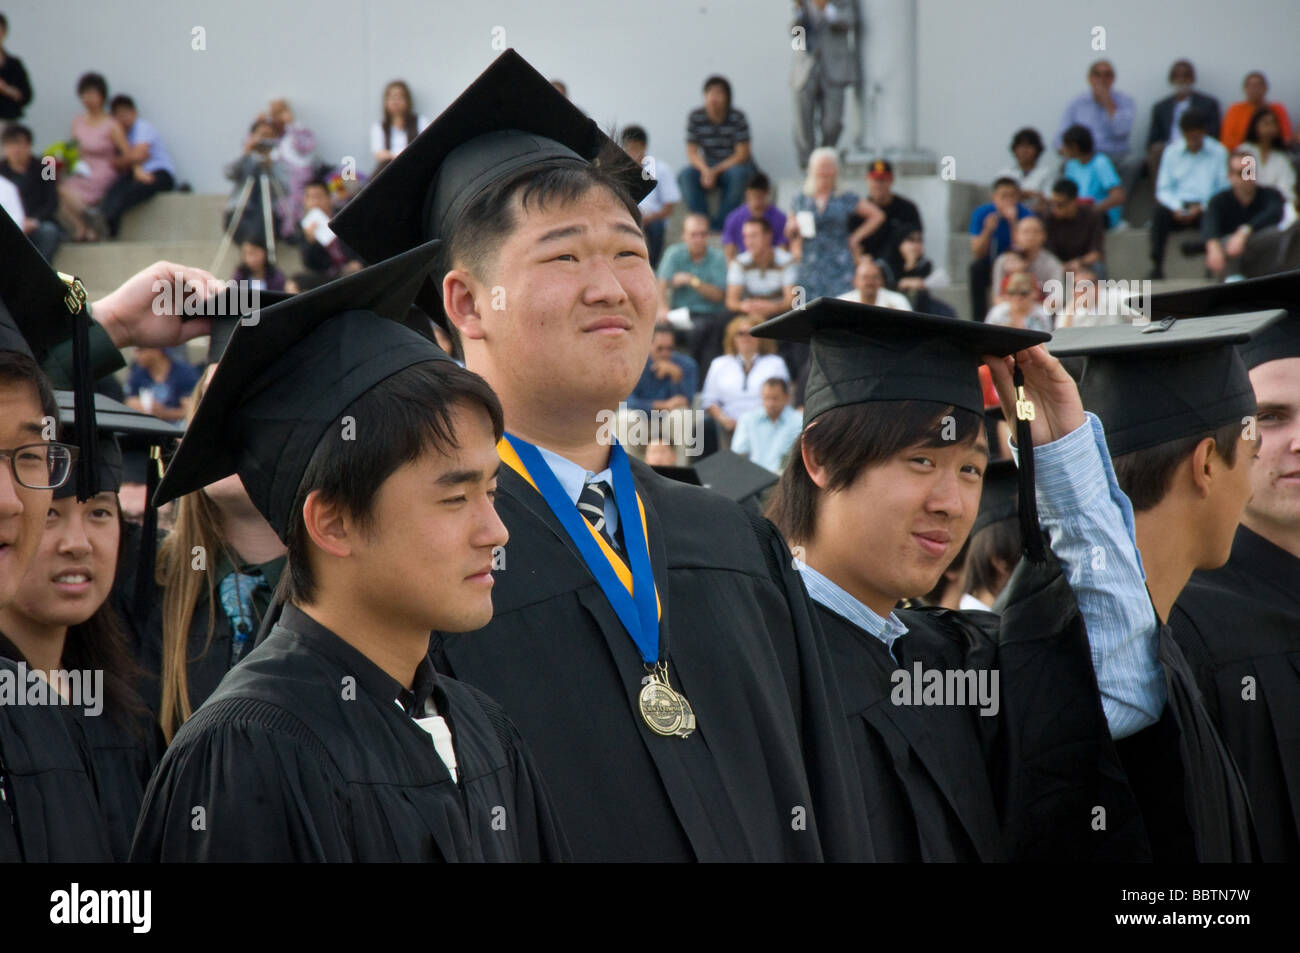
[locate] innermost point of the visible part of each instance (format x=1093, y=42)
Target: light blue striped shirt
x=573, y=478
x=1090, y=523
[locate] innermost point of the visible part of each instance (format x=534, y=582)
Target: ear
x=1206, y=467
x=330, y=528
x=816, y=472
x=459, y=289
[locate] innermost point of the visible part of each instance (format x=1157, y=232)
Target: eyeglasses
x=1103, y=74
x=41, y=466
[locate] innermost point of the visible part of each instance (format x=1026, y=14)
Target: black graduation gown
x=1193, y=798
x=305, y=753
x=122, y=751
x=1241, y=622
x=49, y=812
x=768, y=774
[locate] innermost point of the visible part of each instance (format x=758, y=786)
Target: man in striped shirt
x=718, y=153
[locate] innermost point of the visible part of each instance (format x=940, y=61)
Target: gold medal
x=666, y=711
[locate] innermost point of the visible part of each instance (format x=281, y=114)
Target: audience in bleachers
x=869, y=288
x=825, y=65
x=1274, y=166
x=1167, y=112
x=1029, y=241
x=1076, y=233
x=761, y=279
x=1035, y=168
x=766, y=434
x=757, y=204
x=1240, y=223
x=1108, y=116
x=1021, y=309
x=1236, y=121
x=1094, y=173
x=693, y=275
x=819, y=228
x=915, y=276
x=99, y=140
x=145, y=167
x=670, y=380
x=901, y=215
x=658, y=206
x=399, y=125
x=990, y=235
x=1193, y=169
x=15, y=87
x=323, y=253
x=295, y=154
x=39, y=195
x=256, y=269
x=718, y=153
x=734, y=382
x=159, y=381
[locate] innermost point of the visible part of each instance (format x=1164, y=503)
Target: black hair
x=19, y=368
x=16, y=131
x=477, y=234
x=1080, y=137
x=409, y=413
x=848, y=440
x=1067, y=187
x=780, y=382
x=1004, y=180
x=994, y=543
x=1252, y=131
x=316, y=183
x=94, y=81
x=1145, y=475
x=1177, y=63
x=760, y=221
x=121, y=100
x=759, y=182
x=635, y=134
x=1028, y=136
x=1255, y=72
x=4, y=23
x=1194, y=119
x=722, y=81
x=411, y=124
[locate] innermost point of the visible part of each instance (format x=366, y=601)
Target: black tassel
x=1031, y=536
x=144, y=580
x=83, y=392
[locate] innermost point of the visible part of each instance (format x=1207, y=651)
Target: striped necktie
x=591, y=504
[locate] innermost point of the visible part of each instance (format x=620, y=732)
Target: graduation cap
x=112, y=419
x=508, y=121
x=999, y=499
x=1273, y=343
x=735, y=477
x=39, y=310
x=861, y=353
x=226, y=308
x=283, y=382
x=1158, y=382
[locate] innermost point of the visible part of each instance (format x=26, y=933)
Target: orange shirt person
x=1237, y=119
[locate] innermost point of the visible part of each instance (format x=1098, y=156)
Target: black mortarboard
x=508, y=120
x=1273, y=343
x=999, y=499
x=39, y=310
x=861, y=353
x=1158, y=382
x=735, y=477
x=227, y=309
x=284, y=381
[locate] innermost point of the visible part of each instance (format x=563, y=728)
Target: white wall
x=985, y=67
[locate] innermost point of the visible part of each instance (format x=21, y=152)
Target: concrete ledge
x=174, y=216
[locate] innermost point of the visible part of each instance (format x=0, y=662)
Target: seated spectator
x=1076, y=234
x=159, y=382
x=1020, y=310
x=758, y=204
x=819, y=228
x=990, y=235
x=901, y=215
x=1035, y=167
x=733, y=384
x=1029, y=240
x=1192, y=171
x=693, y=275
x=1093, y=173
x=869, y=288
x=99, y=141
x=670, y=379
x=766, y=434
x=39, y=195
x=1166, y=113
x=1091, y=305
x=256, y=269
x=296, y=154
x=1108, y=115
x=15, y=87
x=916, y=277
x=658, y=206
x=146, y=166
x=323, y=252
x=256, y=160
x=1264, y=140
x=1236, y=121
x=1240, y=222
x=761, y=280
x=1013, y=263
x=401, y=124
x=718, y=153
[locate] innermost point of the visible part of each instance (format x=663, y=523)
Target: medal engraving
x=664, y=710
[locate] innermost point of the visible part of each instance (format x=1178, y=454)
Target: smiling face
x=425, y=560
x=893, y=531
x=72, y=572
x=563, y=315
x=1275, y=507
x=22, y=511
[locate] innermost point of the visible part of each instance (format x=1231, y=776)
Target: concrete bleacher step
x=102, y=266
x=174, y=216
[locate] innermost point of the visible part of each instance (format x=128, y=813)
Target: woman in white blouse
x=399, y=126
x=1264, y=137
x=734, y=383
